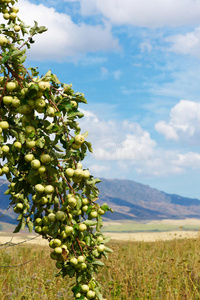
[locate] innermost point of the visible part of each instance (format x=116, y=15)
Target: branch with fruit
x=41, y=149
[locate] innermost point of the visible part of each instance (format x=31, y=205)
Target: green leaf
x=85, y=134
x=98, y=263
x=107, y=240
x=88, y=240
x=90, y=222
x=30, y=226
x=41, y=29
x=98, y=293
x=108, y=250
x=73, y=114
x=99, y=223
x=40, y=143
x=7, y=192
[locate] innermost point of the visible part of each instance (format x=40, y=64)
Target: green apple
x=30, y=144
x=39, y=188
x=1, y=172
x=84, y=288
x=69, y=172
x=17, y=145
x=45, y=229
x=100, y=239
x=81, y=259
x=43, y=85
x=91, y=294
x=30, y=130
x=82, y=227
x=74, y=103
x=76, y=146
x=86, y=174
x=40, y=103
x=7, y=100
x=72, y=202
x=58, y=250
x=101, y=248
x=101, y=211
x=4, y=125
x=16, y=102
x=29, y=157
x=11, y=86
x=13, y=16
x=18, y=207
x=68, y=229
x=35, y=164
x=85, y=201
x=79, y=165
x=52, y=217
x=49, y=189
x=50, y=111
x=44, y=200
x=38, y=229
x=15, y=9
x=5, y=149
x=38, y=221
x=6, y=16
x=78, y=295
x=93, y=214
x=78, y=173
x=84, y=208
x=1, y=130
x=42, y=170
x=60, y=215
x=3, y=40
x=45, y=220
x=54, y=256
x=45, y=158
x=24, y=91
x=57, y=243
x=5, y=170
x=83, y=266
x=73, y=261
x=79, y=139
x=17, y=28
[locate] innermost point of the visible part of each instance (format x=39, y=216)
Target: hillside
x=130, y=201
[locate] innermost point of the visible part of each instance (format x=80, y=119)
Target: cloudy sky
x=138, y=64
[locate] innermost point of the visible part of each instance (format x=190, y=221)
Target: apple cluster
x=41, y=154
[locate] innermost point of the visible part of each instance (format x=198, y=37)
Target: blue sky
x=138, y=64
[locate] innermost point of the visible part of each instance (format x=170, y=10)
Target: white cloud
x=188, y=43
x=114, y=140
x=184, y=123
x=122, y=148
x=64, y=38
x=145, y=13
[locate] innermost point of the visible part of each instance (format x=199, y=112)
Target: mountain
x=130, y=201
x=136, y=201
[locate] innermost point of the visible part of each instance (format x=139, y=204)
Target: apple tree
x=41, y=149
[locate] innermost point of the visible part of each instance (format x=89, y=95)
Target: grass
x=136, y=270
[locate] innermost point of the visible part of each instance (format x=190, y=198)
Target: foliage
x=41, y=150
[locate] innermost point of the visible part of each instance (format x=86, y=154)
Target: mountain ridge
x=130, y=201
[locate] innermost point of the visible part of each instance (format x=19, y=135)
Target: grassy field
x=141, y=227
x=136, y=270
